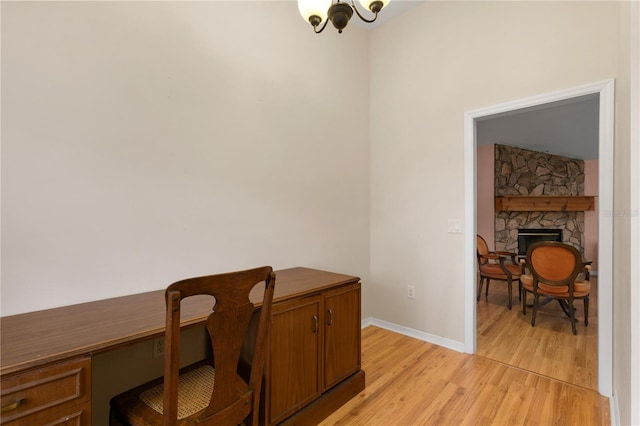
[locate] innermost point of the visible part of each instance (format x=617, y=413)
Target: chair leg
x=524, y=303
x=586, y=311
x=519, y=290
x=479, y=289
x=486, y=294
x=509, y=285
x=572, y=317
x=535, y=309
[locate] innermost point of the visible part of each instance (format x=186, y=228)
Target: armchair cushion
x=581, y=287
x=493, y=270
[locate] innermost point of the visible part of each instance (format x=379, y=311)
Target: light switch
x=454, y=226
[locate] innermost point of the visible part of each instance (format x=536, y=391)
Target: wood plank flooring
x=412, y=382
x=549, y=348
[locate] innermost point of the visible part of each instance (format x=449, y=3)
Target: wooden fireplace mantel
x=545, y=203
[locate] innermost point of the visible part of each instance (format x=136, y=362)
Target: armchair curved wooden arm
x=510, y=254
x=587, y=270
x=492, y=265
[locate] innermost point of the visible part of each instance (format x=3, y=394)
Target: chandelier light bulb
x=367, y=4
x=309, y=8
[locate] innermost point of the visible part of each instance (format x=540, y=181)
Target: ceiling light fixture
x=339, y=13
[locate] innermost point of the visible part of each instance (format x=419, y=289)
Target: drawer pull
x=11, y=407
x=315, y=324
x=329, y=317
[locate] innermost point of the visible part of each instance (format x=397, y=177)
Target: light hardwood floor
x=412, y=382
x=549, y=348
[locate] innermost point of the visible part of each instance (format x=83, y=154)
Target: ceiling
x=390, y=11
x=568, y=128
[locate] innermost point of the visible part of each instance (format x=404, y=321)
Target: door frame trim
x=606, y=90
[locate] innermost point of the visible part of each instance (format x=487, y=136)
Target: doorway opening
x=605, y=92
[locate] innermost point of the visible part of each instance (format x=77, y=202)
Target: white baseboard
x=421, y=335
x=367, y=322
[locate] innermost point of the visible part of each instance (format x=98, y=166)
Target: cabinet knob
x=329, y=316
x=10, y=407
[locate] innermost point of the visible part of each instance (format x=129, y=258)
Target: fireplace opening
x=527, y=237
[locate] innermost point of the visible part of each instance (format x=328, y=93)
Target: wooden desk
x=59, y=343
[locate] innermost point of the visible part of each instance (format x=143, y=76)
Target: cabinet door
x=342, y=334
x=294, y=367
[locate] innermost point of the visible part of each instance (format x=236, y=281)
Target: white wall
x=625, y=371
x=427, y=68
x=146, y=142
x=634, y=253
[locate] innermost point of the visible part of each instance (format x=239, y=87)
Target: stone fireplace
x=530, y=173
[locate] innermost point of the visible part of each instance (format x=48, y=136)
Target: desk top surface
x=37, y=338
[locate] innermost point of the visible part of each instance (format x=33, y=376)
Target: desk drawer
x=55, y=394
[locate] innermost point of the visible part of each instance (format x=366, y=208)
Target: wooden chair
x=554, y=274
x=492, y=266
x=212, y=391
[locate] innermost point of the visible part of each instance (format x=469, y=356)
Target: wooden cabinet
x=342, y=334
x=59, y=394
x=315, y=345
x=294, y=367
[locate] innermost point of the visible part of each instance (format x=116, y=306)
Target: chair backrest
x=482, y=249
x=554, y=263
x=228, y=326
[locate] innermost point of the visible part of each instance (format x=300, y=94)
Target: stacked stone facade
x=523, y=172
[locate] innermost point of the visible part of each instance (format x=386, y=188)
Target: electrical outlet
x=411, y=292
x=158, y=347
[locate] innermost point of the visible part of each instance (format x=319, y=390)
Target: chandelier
x=317, y=11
